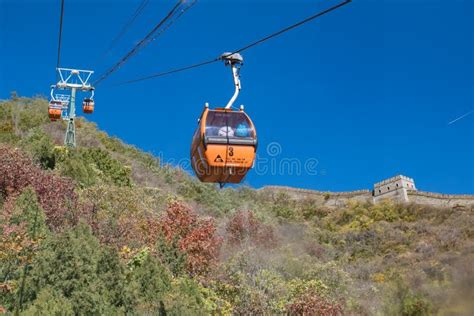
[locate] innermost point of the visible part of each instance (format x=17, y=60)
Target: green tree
x=50, y=302
x=28, y=211
x=112, y=275
x=150, y=282
x=68, y=263
x=41, y=147
x=89, y=166
x=111, y=170
x=22, y=226
x=170, y=255
x=404, y=301
x=72, y=165
x=186, y=298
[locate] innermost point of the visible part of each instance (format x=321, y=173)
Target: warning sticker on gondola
x=218, y=159
x=236, y=160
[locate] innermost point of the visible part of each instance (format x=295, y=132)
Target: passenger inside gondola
x=228, y=124
x=214, y=123
x=226, y=131
x=242, y=130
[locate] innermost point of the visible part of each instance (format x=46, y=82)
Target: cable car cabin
x=88, y=106
x=224, y=146
x=55, y=109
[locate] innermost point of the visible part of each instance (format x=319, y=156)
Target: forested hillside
x=106, y=229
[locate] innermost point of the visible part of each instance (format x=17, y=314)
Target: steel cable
x=60, y=33
x=264, y=39
x=148, y=38
x=126, y=26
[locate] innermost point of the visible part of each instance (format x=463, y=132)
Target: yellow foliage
x=378, y=277
x=298, y=286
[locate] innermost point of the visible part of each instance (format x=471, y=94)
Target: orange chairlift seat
x=225, y=142
x=88, y=106
x=55, y=109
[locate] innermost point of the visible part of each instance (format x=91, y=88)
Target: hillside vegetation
x=106, y=229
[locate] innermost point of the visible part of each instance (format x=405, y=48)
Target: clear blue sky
x=367, y=90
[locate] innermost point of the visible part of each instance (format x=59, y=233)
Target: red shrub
x=313, y=304
x=196, y=237
x=55, y=194
x=314, y=249
x=178, y=221
x=151, y=228
x=245, y=227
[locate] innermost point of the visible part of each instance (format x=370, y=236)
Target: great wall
x=404, y=192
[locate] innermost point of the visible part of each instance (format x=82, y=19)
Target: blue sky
x=366, y=91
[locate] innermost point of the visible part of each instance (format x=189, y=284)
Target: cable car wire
x=171, y=21
x=171, y=17
x=134, y=50
x=126, y=26
x=248, y=46
x=308, y=19
x=172, y=71
x=60, y=33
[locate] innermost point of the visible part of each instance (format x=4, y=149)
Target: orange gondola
x=88, y=106
x=55, y=109
x=224, y=146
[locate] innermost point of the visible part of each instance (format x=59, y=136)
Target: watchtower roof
x=393, y=179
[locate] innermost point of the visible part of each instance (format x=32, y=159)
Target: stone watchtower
x=395, y=188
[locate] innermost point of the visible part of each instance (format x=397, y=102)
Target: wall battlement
x=441, y=195
x=340, y=199
x=308, y=191
x=394, y=179
x=394, y=187
x=438, y=199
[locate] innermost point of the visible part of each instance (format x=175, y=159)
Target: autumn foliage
x=55, y=194
x=244, y=227
x=118, y=216
x=196, y=237
x=313, y=304
x=125, y=224
x=120, y=219
x=96, y=233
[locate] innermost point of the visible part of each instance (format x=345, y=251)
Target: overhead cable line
x=127, y=25
x=167, y=21
x=172, y=71
x=60, y=33
x=266, y=38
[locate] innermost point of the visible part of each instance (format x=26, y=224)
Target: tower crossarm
x=74, y=78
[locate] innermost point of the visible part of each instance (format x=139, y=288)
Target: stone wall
x=339, y=199
x=437, y=199
x=329, y=199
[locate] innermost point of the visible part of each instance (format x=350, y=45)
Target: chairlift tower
x=71, y=79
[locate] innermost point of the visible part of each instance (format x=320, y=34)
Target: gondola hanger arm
x=235, y=61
